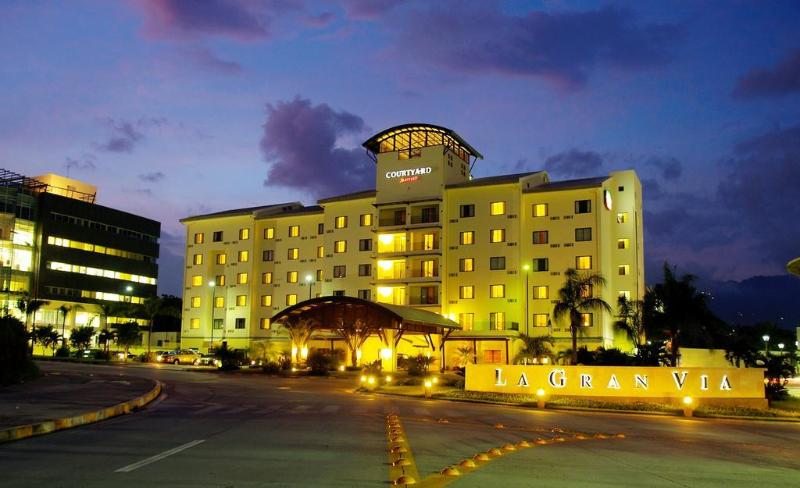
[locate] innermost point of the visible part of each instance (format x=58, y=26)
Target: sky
x=178, y=107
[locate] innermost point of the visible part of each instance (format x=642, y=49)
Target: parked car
x=161, y=354
x=184, y=356
x=208, y=360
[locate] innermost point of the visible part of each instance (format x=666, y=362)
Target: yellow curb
x=48, y=426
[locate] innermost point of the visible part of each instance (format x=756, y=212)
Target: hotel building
x=487, y=253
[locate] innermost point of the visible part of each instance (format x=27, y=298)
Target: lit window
x=497, y=291
x=241, y=279
x=540, y=320
x=586, y=291
x=540, y=292
x=244, y=256
x=583, y=234
x=264, y=323
x=219, y=280
x=266, y=278
x=291, y=299
x=196, y=302
x=222, y=258
x=497, y=208
x=622, y=217
x=541, y=264
x=340, y=246
x=540, y=237
x=583, y=206
x=497, y=321
x=293, y=253
x=540, y=210
x=319, y=275
x=586, y=320
x=466, y=320
x=467, y=237
x=340, y=222
x=269, y=233
x=197, y=280
x=497, y=235
x=294, y=230
x=623, y=269
x=291, y=277
x=241, y=300
x=194, y=323
x=583, y=262
x=244, y=234
x=219, y=302
x=466, y=264
x=623, y=243
x=365, y=220
x=320, y=251
x=198, y=259
x=625, y=294
x=266, y=300
x=198, y=238
x=466, y=292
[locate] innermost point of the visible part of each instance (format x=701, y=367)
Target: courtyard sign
x=408, y=175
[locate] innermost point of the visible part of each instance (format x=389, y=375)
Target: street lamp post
x=129, y=290
x=213, y=285
x=526, y=267
x=310, y=282
x=765, y=337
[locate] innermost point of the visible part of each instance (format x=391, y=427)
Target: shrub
x=229, y=359
x=418, y=365
x=271, y=367
x=319, y=362
x=285, y=362
x=353, y=368
x=15, y=363
x=62, y=352
x=374, y=367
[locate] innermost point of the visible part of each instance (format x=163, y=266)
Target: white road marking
x=158, y=457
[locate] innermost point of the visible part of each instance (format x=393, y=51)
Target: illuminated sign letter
x=679, y=381
x=613, y=383
x=640, y=381
x=523, y=380
x=586, y=381
x=562, y=380
x=725, y=384
x=704, y=382
x=498, y=378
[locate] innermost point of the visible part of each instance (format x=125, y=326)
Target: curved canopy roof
x=327, y=310
x=373, y=143
x=794, y=266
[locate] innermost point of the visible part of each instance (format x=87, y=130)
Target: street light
x=526, y=267
x=310, y=282
x=213, y=285
x=129, y=289
x=765, y=337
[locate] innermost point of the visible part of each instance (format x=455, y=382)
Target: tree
x=575, y=298
x=48, y=336
x=155, y=308
x=64, y=309
x=464, y=355
x=28, y=306
x=300, y=331
x=81, y=337
x=105, y=337
x=534, y=348
x=629, y=319
x=355, y=332
x=127, y=335
x=15, y=362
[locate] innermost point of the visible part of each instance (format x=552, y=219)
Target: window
x=217, y=237
x=497, y=208
x=497, y=235
x=218, y=324
x=497, y=291
x=269, y=233
x=266, y=300
x=625, y=294
x=365, y=245
x=365, y=294
x=467, y=211
x=364, y=269
x=241, y=279
x=219, y=280
x=497, y=321
x=428, y=215
x=623, y=269
x=586, y=320
x=338, y=293
x=194, y=323
x=239, y=323
x=320, y=229
x=540, y=320
x=320, y=251
x=467, y=237
x=291, y=299
x=319, y=275
x=264, y=323
x=219, y=302
x=428, y=242
x=196, y=302
x=268, y=255
x=623, y=243
x=197, y=259
x=339, y=271
x=492, y=356
x=241, y=300
x=198, y=238
x=365, y=220
x=466, y=292
x=622, y=217
x=293, y=253
x=620, y=188
x=466, y=265
x=540, y=292
x=586, y=291
x=197, y=280
x=340, y=222
x=244, y=234
x=244, y=256
x=540, y=237
x=340, y=246
x=583, y=206
x=466, y=321
x=583, y=262
x=497, y=262
x=583, y=234
x=291, y=276
x=541, y=264
x=540, y=210
x=221, y=258
x=294, y=230
x=266, y=278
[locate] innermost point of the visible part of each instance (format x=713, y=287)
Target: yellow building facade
x=488, y=253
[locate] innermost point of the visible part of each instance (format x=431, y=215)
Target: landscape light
x=341, y=367
x=687, y=400
x=388, y=379
x=363, y=379
x=540, y=392
x=371, y=380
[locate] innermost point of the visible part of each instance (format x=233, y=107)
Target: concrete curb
x=48, y=426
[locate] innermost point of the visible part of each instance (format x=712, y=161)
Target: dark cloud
x=561, y=47
x=574, y=162
x=782, y=79
x=669, y=168
x=244, y=20
x=206, y=59
x=125, y=135
x=152, y=177
x=87, y=162
x=300, y=145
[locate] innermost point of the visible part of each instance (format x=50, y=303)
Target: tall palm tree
x=576, y=297
x=152, y=307
x=629, y=319
x=300, y=331
x=64, y=309
x=534, y=347
x=28, y=306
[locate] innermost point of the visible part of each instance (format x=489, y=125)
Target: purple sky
x=174, y=108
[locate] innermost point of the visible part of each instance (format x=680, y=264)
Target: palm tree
x=355, y=332
x=576, y=298
x=105, y=337
x=629, y=319
x=29, y=306
x=81, y=337
x=64, y=309
x=534, y=348
x=464, y=354
x=300, y=331
x=48, y=337
x=151, y=308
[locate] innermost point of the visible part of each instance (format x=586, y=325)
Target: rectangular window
x=218, y=324
x=320, y=229
x=540, y=210
x=540, y=237
x=340, y=222
x=339, y=271
x=197, y=280
x=492, y=356
x=319, y=276
x=266, y=300
x=241, y=279
x=364, y=269
x=196, y=302
x=497, y=208
x=244, y=256
x=340, y=246
x=623, y=269
x=622, y=217
x=467, y=237
x=268, y=255
x=625, y=294
x=198, y=238
x=266, y=278
x=466, y=292
x=293, y=253
x=497, y=262
x=428, y=268
x=365, y=294
x=244, y=234
x=241, y=300
x=365, y=244
x=583, y=206
x=586, y=320
x=194, y=323
x=217, y=237
x=623, y=243
x=219, y=280
x=221, y=258
x=320, y=251
x=264, y=323
x=467, y=210
x=365, y=220
x=291, y=299
x=497, y=235
x=541, y=264
x=583, y=234
x=269, y=233
x=466, y=265
x=466, y=321
x=294, y=230
x=291, y=276
x=497, y=321
x=583, y=262
x=540, y=292
x=540, y=320
x=197, y=259
x=497, y=291
x=239, y=323
x=586, y=291
x=219, y=302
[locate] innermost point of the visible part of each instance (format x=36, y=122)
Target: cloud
x=320, y=20
x=87, y=162
x=206, y=59
x=574, y=163
x=152, y=177
x=782, y=79
x=669, y=168
x=126, y=135
x=243, y=20
x=300, y=145
x=368, y=9
x=562, y=48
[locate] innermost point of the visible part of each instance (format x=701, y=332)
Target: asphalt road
x=212, y=430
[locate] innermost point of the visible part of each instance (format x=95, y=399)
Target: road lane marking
x=158, y=457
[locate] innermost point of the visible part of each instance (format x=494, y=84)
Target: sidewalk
x=61, y=396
